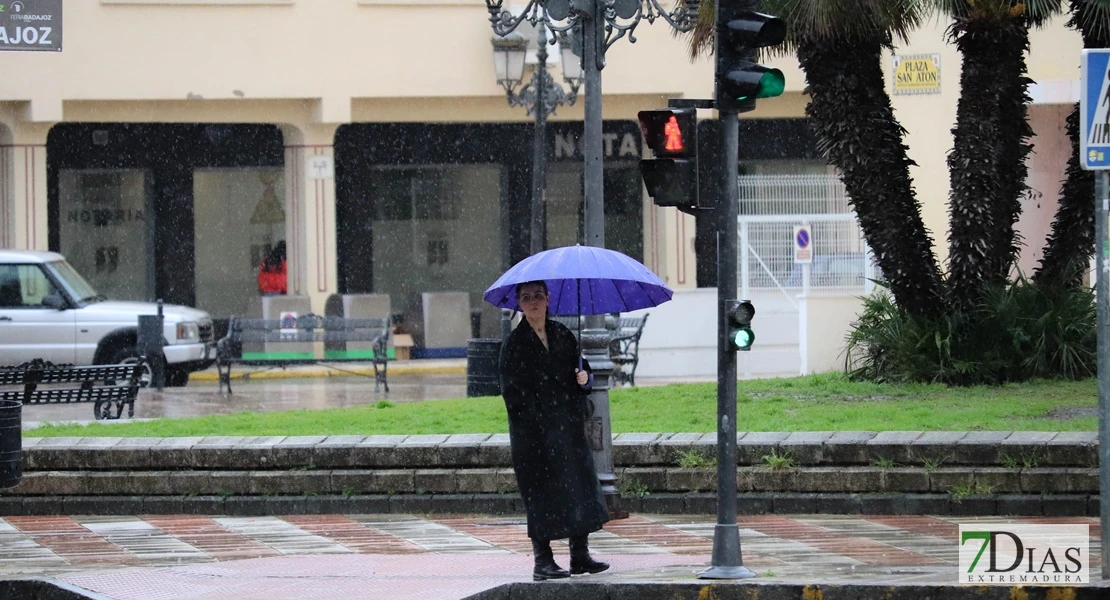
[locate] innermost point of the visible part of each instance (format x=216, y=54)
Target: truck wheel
x=176, y=377
x=129, y=355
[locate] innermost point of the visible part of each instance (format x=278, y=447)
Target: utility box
x=285, y=309
x=446, y=322
x=357, y=306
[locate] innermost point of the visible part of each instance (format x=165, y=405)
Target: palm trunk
x=976, y=191
x=859, y=135
x=1014, y=147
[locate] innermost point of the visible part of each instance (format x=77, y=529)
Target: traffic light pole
x=727, y=561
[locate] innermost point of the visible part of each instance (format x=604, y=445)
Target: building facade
x=171, y=143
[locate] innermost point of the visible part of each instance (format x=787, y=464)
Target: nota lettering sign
x=31, y=25
x=917, y=74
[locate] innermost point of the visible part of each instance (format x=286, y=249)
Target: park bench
x=624, y=348
x=110, y=388
x=294, y=343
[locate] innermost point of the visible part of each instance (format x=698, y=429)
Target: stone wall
x=1031, y=473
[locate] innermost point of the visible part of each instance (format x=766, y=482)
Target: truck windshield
x=75, y=285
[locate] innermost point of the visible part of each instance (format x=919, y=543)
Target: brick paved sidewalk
x=444, y=557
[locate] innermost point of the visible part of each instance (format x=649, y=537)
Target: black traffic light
x=740, y=334
x=739, y=78
x=672, y=176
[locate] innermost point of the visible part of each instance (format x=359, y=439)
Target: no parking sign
x=803, y=245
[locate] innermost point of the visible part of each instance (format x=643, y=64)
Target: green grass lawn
x=815, y=403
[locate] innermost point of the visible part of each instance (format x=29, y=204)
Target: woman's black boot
x=545, y=562
x=580, y=559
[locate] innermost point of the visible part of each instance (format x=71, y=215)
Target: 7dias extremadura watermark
x=1007, y=553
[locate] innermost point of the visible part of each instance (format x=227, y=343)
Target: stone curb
x=45, y=589
x=947, y=480
x=1063, y=505
x=735, y=590
x=906, y=448
x=394, y=368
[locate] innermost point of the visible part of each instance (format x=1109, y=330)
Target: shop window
x=240, y=217
x=435, y=229
x=105, y=230
x=420, y=194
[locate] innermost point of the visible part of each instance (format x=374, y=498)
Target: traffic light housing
x=740, y=334
x=671, y=177
x=740, y=32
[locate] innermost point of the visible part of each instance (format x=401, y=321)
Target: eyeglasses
x=526, y=298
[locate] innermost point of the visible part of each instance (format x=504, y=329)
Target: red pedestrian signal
x=671, y=177
x=673, y=134
x=670, y=131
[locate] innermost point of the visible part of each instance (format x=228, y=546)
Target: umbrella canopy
x=583, y=280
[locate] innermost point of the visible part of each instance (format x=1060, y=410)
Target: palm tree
x=987, y=168
x=1071, y=242
x=839, y=44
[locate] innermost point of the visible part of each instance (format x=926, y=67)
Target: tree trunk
x=851, y=112
x=1014, y=147
x=976, y=190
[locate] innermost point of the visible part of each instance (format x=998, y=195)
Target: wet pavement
x=293, y=388
x=276, y=390
x=448, y=557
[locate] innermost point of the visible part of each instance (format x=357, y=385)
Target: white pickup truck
x=48, y=311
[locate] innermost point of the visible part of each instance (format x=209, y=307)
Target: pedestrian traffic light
x=740, y=334
x=672, y=176
x=740, y=32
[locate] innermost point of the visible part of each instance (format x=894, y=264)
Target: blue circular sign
x=802, y=239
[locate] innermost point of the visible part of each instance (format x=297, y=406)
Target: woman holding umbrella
x=545, y=387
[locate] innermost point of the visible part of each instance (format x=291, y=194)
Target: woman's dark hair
x=538, y=282
x=273, y=261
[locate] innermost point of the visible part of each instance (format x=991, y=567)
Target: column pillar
x=310, y=212
x=669, y=245
x=23, y=197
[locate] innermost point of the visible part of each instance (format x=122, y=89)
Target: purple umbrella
x=583, y=280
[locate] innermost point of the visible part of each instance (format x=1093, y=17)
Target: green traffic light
x=755, y=81
x=771, y=84
x=742, y=339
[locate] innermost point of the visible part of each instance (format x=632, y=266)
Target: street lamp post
x=539, y=97
x=594, y=26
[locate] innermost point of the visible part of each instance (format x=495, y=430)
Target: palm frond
x=1092, y=19
x=821, y=19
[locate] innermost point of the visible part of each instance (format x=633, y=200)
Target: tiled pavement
x=442, y=557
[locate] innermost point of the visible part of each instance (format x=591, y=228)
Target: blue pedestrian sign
x=1094, y=110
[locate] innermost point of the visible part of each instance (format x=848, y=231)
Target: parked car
x=48, y=311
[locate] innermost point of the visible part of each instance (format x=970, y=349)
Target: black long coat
x=547, y=417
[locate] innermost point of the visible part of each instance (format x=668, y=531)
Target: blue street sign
x=1094, y=110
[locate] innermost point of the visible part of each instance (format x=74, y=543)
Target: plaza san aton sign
x=31, y=25
x=917, y=74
